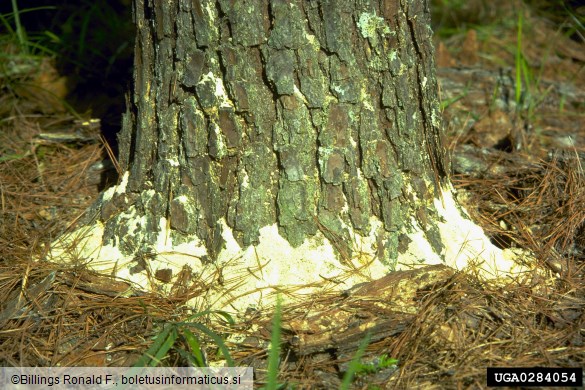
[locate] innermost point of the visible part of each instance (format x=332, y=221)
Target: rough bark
x=317, y=118
x=312, y=115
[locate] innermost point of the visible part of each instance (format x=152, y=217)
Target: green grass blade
x=218, y=341
x=31, y=9
x=195, y=316
x=195, y=347
x=230, y=320
x=274, y=354
x=519, y=58
x=41, y=49
x=20, y=33
x=165, y=347
x=160, y=343
x=6, y=24
x=446, y=103
x=355, y=363
x=52, y=37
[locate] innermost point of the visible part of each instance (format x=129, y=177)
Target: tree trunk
x=283, y=142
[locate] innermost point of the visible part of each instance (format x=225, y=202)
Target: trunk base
x=251, y=277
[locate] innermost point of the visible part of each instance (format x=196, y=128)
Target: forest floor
x=514, y=121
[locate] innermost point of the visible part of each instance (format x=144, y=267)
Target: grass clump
x=190, y=331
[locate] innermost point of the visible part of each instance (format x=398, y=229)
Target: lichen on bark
x=309, y=115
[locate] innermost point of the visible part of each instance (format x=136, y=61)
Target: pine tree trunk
x=256, y=126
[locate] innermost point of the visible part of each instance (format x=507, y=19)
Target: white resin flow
x=253, y=276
